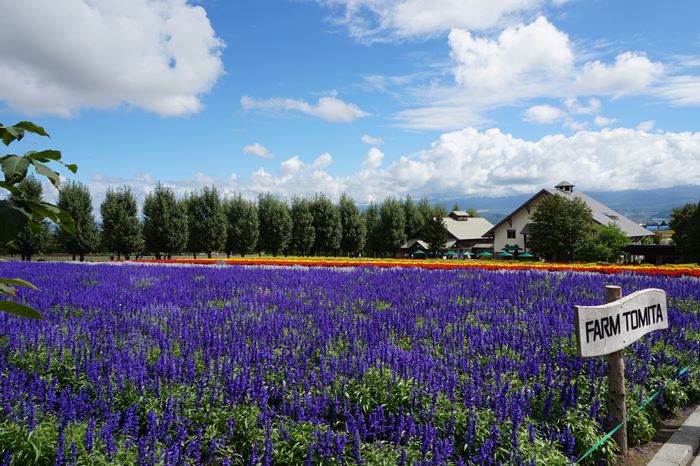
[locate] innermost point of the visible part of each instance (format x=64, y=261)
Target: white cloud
x=681, y=90
x=522, y=55
x=258, y=150
x=328, y=108
x=603, y=121
x=543, y=114
x=632, y=72
x=471, y=162
x=574, y=106
x=322, y=161
x=387, y=20
x=646, y=126
x=59, y=57
x=371, y=140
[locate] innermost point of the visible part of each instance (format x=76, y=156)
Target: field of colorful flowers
x=221, y=365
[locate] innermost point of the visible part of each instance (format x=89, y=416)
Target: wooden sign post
x=608, y=329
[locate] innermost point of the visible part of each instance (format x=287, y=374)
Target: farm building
x=464, y=233
x=513, y=230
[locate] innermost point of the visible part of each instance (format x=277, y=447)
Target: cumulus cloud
x=523, y=55
x=328, y=108
x=470, y=162
x=388, y=20
x=646, y=125
x=603, y=121
x=258, y=150
x=632, y=72
x=543, y=114
x=371, y=140
x=159, y=56
x=530, y=61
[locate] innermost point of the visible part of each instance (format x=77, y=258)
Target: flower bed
x=670, y=270
x=367, y=365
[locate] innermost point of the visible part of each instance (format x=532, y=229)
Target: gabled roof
x=474, y=228
x=412, y=242
x=602, y=214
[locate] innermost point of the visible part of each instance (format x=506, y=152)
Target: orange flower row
x=672, y=270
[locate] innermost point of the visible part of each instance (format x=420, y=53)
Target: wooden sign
x=611, y=327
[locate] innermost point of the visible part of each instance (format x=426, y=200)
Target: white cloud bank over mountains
x=470, y=162
x=59, y=57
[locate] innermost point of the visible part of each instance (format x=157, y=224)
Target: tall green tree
x=327, y=226
x=352, y=223
x=685, y=223
x=392, y=221
x=561, y=228
x=16, y=211
x=606, y=243
x=31, y=239
x=435, y=233
x=243, y=226
x=414, y=218
x=275, y=224
x=121, y=230
x=165, y=222
x=207, y=222
x=425, y=209
x=303, y=231
x=75, y=199
x=373, y=245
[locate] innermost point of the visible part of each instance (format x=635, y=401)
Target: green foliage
x=207, y=222
x=275, y=224
x=165, y=225
x=242, y=225
x=685, y=223
x=121, y=231
x=435, y=234
x=353, y=227
x=327, y=227
x=303, y=231
x=561, y=228
x=33, y=237
x=606, y=243
x=392, y=223
x=414, y=218
x=373, y=245
x=75, y=199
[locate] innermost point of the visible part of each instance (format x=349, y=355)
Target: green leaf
x=72, y=167
x=44, y=170
x=44, y=155
x=17, y=282
x=15, y=168
x=9, y=134
x=21, y=310
x=13, y=217
x=32, y=128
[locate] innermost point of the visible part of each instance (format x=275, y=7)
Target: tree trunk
x=82, y=257
x=73, y=256
x=195, y=255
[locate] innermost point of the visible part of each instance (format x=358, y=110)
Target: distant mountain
x=640, y=206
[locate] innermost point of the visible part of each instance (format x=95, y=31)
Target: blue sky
x=437, y=98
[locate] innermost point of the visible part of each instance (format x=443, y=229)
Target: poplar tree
x=354, y=229
x=275, y=224
x=373, y=244
x=75, y=199
x=326, y=225
x=242, y=226
x=392, y=222
x=414, y=218
x=121, y=231
x=303, y=231
x=165, y=225
x=207, y=222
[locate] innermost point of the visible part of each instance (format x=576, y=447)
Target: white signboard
x=610, y=327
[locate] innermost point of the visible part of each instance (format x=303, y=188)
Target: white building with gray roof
x=513, y=230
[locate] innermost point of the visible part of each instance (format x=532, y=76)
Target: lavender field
x=226, y=365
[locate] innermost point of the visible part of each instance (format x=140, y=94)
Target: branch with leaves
x=17, y=212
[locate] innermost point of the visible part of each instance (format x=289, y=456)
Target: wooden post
x=617, y=407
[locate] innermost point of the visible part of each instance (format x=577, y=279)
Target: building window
x=511, y=233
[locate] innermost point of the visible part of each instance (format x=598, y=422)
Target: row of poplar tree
x=204, y=223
